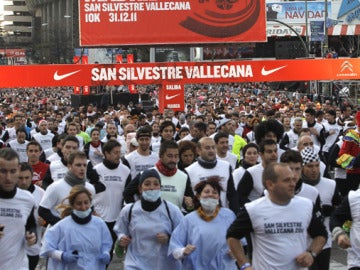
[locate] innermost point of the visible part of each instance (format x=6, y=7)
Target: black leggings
x=110, y=226
x=33, y=261
x=322, y=260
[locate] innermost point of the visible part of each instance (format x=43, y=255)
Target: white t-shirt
x=56, y=193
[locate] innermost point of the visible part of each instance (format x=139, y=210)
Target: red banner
x=13, y=52
x=170, y=22
x=130, y=60
x=77, y=90
x=180, y=72
x=171, y=96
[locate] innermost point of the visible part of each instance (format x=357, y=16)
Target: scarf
x=206, y=217
x=110, y=165
x=310, y=182
x=72, y=180
x=81, y=220
x=207, y=164
x=7, y=194
x=150, y=206
x=165, y=170
x=96, y=145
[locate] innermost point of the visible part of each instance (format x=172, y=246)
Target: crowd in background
x=216, y=150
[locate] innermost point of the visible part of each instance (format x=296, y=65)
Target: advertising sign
x=172, y=96
x=294, y=12
x=150, y=22
x=317, y=31
x=180, y=72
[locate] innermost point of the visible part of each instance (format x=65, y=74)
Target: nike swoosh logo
x=167, y=97
x=58, y=77
x=265, y=72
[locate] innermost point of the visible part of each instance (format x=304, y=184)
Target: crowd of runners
x=244, y=178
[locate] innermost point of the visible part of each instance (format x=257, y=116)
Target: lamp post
x=307, y=24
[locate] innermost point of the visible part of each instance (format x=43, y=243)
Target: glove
x=104, y=258
x=69, y=256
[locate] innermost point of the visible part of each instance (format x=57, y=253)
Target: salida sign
x=108, y=22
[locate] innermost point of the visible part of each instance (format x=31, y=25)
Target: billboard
x=294, y=12
x=156, y=22
x=176, y=73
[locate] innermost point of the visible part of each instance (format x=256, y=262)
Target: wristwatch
x=312, y=253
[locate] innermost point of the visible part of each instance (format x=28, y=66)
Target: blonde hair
x=74, y=192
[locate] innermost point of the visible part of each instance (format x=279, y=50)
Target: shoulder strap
x=168, y=212
x=130, y=211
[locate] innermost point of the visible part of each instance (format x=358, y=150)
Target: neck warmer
x=298, y=186
x=96, y=145
x=206, y=217
x=310, y=125
x=207, y=164
x=31, y=188
x=7, y=194
x=72, y=180
x=150, y=206
x=63, y=161
x=245, y=164
x=110, y=165
x=308, y=181
x=81, y=220
x=165, y=170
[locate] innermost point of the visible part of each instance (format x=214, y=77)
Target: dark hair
x=143, y=132
x=319, y=113
x=291, y=156
x=21, y=129
x=214, y=182
x=26, y=167
x=332, y=112
x=264, y=143
x=71, y=138
x=187, y=145
x=167, y=145
x=201, y=126
x=76, y=154
x=110, y=145
x=166, y=124
x=220, y=135
x=249, y=145
x=183, y=129
x=310, y=111
x=93, y=130
x=34, y=143
x=270, y=125
x=9, y=154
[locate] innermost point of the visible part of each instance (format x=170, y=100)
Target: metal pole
x=326, y=37
x=306, y=24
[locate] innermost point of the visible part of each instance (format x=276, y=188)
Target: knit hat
x=308, y=156
x=147, y=174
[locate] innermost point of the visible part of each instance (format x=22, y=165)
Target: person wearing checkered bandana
x=329, y=196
